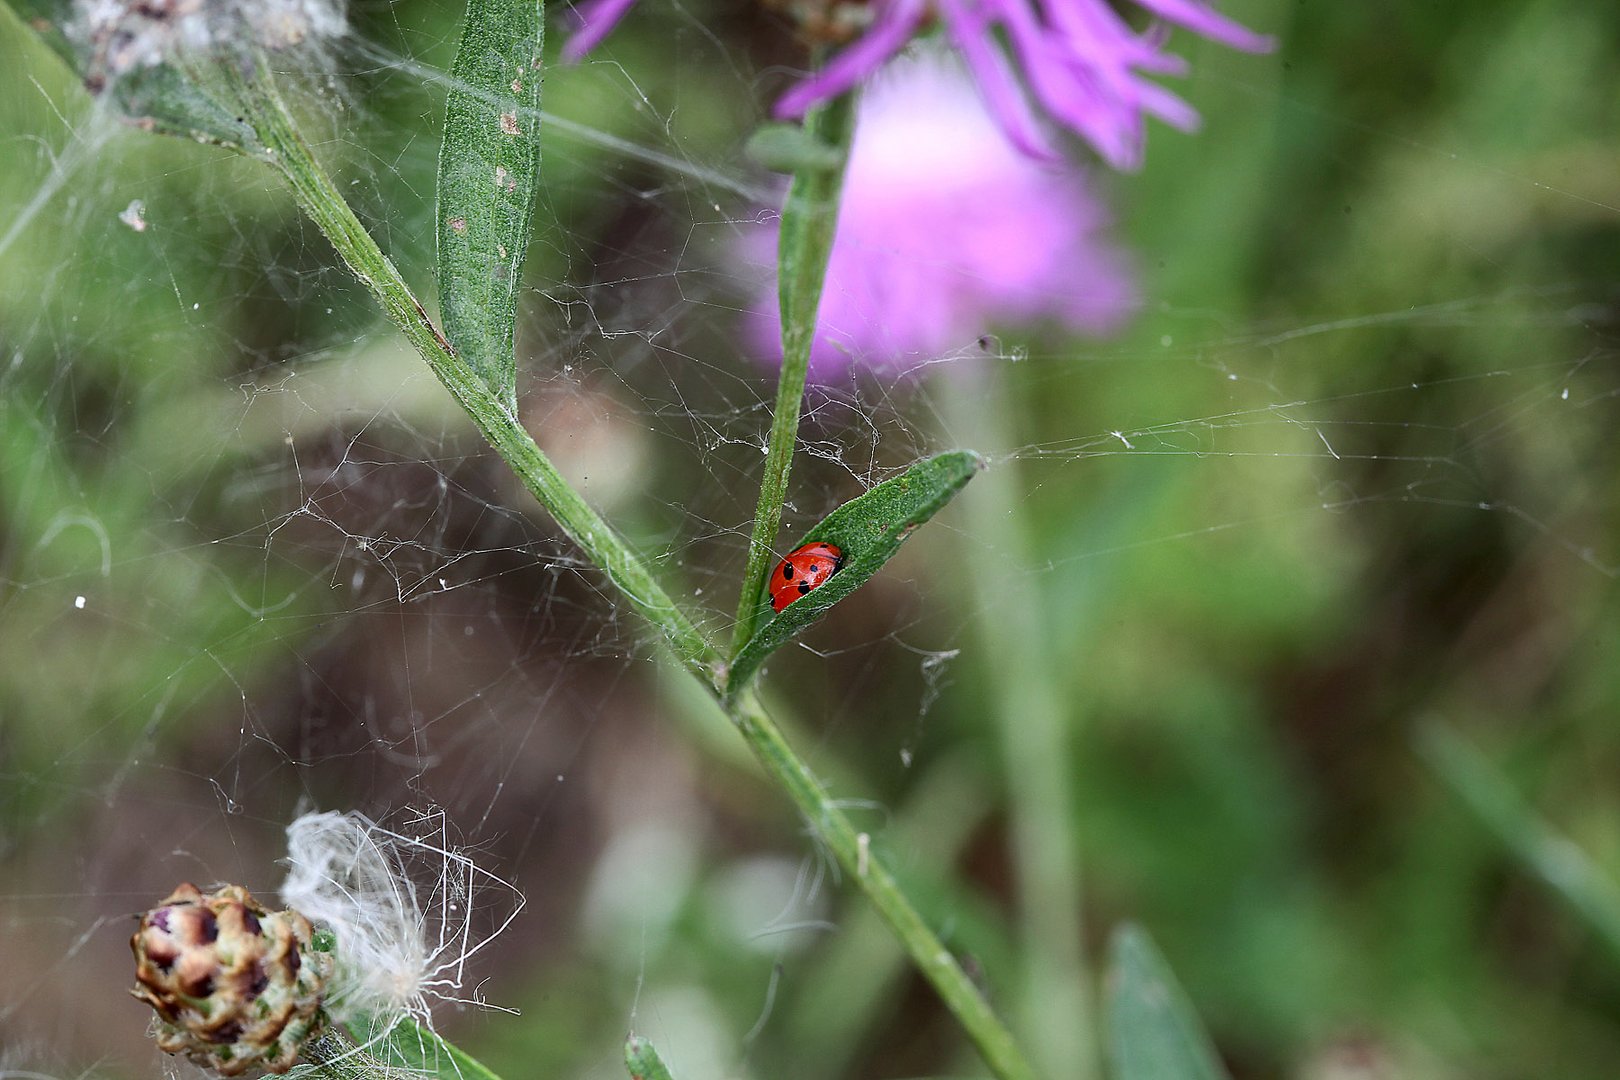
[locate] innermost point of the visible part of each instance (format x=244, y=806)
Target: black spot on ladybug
x=804, y=587
x=787, y=571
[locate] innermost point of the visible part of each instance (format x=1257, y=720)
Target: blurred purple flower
x=1082, y=63
x=944, y=231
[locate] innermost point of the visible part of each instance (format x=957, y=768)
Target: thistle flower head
x=378, y=925
x=1074, y=63
x=235, y=987
x=945, y=231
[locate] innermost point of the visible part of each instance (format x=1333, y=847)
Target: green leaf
x=47, y=18
x=643, y=1061
x=869, y=530
x=1153, y=1032
x=165, y=100
x=791, y=148
x=488, y=167
x=410, y=1046
x=160, y=98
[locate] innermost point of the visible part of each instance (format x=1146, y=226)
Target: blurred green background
x=1337, y=512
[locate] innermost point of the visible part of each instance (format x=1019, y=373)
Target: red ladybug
x=805, y=568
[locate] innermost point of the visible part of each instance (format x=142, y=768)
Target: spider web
x=253, y=562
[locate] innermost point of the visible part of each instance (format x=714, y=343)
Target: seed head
x=235, y=987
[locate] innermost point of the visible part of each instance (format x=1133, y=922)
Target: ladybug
x=805, y=568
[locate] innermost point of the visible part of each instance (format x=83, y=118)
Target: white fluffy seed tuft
x=401, y=909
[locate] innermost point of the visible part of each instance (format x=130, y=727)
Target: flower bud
x=235, y=987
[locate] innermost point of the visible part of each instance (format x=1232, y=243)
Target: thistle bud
x=235, y=987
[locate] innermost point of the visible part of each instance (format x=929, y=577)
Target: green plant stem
x=809, y=222
x=856, y=983
x=326, y=207
x=321, y=200
x=865, y=866
x=1034, y=720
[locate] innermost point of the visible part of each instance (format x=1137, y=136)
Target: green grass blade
x=1153, y=1033
x=1552, y=858
x=869, y=530
x=643, y=1061
x=488, y=166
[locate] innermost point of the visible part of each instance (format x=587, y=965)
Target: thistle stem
x=867, y=867
x=320, y=199
x=804, y=244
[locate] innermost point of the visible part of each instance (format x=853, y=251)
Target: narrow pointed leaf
x=164, y=100
x=868, y=530
x=160, y=98
x=488, y=167
x=1153, y=1032
x=643, y=1061
x=420, y=1053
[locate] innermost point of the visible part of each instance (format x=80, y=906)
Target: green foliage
x=489, y=164
x=411, y=1047
x=1153, y=1032
x=643, y=1061
x=869, y=530
x=803, y=246
x=1542, y=851
x=49, y=19
x=1414, y=268
x=809, y=224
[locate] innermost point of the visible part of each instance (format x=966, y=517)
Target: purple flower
x=1082, y=63
x=945, y=230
